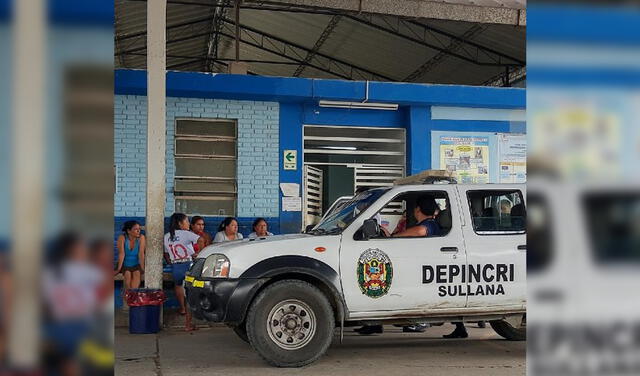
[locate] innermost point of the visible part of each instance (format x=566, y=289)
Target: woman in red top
x=197, y=226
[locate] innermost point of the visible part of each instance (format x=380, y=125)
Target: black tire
x=267, y=309
x=241, y=331
x=506, y=331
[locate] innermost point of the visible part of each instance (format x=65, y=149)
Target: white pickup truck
x=287, y=294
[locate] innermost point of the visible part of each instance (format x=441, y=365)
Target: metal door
x=312, y=195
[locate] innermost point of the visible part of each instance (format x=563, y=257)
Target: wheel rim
x=291, y=324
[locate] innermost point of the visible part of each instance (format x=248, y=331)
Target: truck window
x=397, y=214
x=613, y=225
x=497, y=212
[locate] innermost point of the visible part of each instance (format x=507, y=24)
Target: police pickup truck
x=287, y=294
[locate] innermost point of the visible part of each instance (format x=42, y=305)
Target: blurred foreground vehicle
x=583, y=265
x=583, y=123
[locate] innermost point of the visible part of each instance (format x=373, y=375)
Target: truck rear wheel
x=290, y=324
x=509, y=332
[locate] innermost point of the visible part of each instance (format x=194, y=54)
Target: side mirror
x=308, y=228
x=369, y=229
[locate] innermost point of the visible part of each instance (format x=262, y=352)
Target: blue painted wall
x=288, y=89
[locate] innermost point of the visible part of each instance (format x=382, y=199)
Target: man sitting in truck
x=425, y=213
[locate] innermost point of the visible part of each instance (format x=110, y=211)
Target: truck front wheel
x=241, y=332
x=290, y=323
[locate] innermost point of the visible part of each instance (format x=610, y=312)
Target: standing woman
x=131, y=247
x=228, y=230
x=179, y=250
x=260, y=229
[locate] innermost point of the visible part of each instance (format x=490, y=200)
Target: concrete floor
x=217, y=351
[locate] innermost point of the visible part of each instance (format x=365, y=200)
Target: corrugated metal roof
x=360, y=46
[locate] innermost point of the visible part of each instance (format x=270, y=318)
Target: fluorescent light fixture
x=339, y=147
x=360, y=105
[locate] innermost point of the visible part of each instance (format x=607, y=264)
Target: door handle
x=522, y=247
x=449, y=249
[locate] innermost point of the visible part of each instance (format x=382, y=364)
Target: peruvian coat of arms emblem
x=375, y=273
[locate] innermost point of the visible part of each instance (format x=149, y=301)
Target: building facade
x=285, y=148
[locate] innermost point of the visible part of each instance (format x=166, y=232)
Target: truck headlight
x=216, y=266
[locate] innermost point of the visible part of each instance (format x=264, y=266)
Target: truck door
x=404, y=275
x=496, y=244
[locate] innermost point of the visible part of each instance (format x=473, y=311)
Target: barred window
x=206, y=165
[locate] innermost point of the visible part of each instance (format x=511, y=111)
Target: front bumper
x=221, y=300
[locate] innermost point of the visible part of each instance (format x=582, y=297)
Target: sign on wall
x=512, y=152
x=467, y=157
x=290, y=159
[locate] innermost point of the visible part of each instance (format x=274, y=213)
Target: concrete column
x=156, y=139
x=27, y=179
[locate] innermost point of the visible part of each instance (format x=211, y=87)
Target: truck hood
x=227, y=247
x=243, y=254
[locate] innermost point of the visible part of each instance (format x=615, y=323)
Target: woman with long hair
x=131, y=247
x=197, y=226
x=227, y=231
x=179, y=251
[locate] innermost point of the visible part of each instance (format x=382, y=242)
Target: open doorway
x=339, y=160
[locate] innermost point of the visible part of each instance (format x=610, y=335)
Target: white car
x=287, y=294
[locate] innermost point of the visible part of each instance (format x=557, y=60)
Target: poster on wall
x=467, y=157
x=512, y=154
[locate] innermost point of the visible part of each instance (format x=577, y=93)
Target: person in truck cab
x=425, y=214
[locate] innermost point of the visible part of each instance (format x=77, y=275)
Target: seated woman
x=197, y=227
x=260, y=229
x=131, y=247
x=227, y=231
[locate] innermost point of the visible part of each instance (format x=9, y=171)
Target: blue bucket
x=144, y=319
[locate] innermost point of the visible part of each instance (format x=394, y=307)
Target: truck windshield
x=342, y=216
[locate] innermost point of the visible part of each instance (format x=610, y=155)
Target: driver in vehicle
x=425, y=213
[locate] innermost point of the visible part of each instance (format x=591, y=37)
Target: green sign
x=290, y=159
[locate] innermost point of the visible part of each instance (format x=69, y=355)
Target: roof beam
x=468, y=58
x=211, y=44
x=194, y=59
x=452, y=10
x=261, y=46
x=346, y=70
x=316, y=47
x=295, y=46
x=485, y=49
x=508, y=78
x=441, y=56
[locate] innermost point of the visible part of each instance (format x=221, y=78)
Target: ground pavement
x=215, y=350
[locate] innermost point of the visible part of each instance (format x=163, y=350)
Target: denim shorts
x=178, y=271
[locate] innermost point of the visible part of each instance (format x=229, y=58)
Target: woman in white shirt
x=179, y=251
x=260, y=229
x=227, y=231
